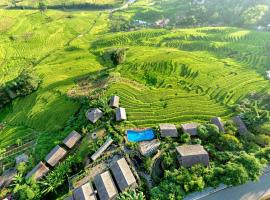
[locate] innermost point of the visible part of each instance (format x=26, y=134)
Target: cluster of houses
x=56, y=155
x=119, y=177
x=108, y=184
x=188, y=155
x=95, y=114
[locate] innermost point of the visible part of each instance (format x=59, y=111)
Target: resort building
x=268, y=75
x=54, y=157
x=114, y=102
x=105, y=186
x=121, y=114
x=7, y=177
x=168, y=130
x=147, y=148
x=217, y=121
x=94, y=115
x=123, y=175
x=72, y=139
x=189, y=155
x=190, y=128
x=241, y=127
x=21, y=158
x=84, y=192
x=98, y=153
x=38, y=171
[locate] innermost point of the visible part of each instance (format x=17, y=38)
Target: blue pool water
x=138, y=136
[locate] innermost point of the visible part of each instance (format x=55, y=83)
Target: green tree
x=229, y=142
x=235, y=174
x=252, y=165
x=42, y=6
x=185, y=138
x=119, y=56
x=254, y=14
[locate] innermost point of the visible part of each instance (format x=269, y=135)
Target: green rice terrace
x=60, y=58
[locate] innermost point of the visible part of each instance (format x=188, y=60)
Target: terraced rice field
x=203, y=72
x=49, y=53
x=146, y=108
x=175, y=76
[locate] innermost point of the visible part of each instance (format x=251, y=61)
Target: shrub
x=119, y=56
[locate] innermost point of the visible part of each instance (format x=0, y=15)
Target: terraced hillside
x=34, y=3
x=48, y=51
x=176, y=75
x=214, y=64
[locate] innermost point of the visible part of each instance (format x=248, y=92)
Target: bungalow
x=94, y=115
x=98, y=153
x=85, y=192
x=168, y=130
x=72, y=139
x=189, y=155
x=114, y=102
x=147, y=148
x=38, y=171
x=105, y=186
x=241, y=127
x=190, y=128
x=7, y=177
x=268, y=75
x=54, y=157
x=121, y=114
x=217, y=121
x=21, y=158
x=123, y=175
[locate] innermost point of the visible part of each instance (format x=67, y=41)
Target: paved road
x=248, y=191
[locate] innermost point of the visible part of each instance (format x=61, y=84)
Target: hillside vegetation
x=189, y=70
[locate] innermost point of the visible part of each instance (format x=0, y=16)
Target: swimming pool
x=138, y=136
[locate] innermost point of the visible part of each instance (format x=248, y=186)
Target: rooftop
x=190, y=150
x=168, y=130
x=190, y=128
x=105, y=186
x=123, y=174
x=121, y=114
x=54, y=157
x=114, y=101
x=38, y=171
x=94, y=115
x=85, y=192
x=72, y=139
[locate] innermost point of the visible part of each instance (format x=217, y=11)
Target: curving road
x=248, y=191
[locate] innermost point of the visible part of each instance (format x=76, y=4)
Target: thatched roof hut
x=114, y=102
x=98, y=153
x=38, y=171
x=84, y=192
x=147, y=148
x=241, y=127
x=7, y=177
x=217, y=121
x=105, y=186
x=168, y=130
x=121, y=114
x=190, y=155
x=54, y=157
x=190, y=128
x=72, y=139
x=94, y=115
x=21, y=158
x=123, y=175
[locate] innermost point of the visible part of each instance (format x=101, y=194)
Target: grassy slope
x=48, y=109
x=213, y=63
x=197, y=73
